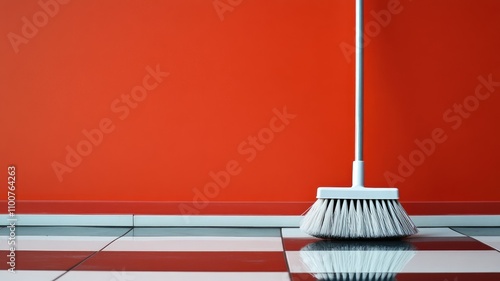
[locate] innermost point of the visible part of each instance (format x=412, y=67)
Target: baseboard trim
x=221, y=221
x=52, y=207
x=68, y=220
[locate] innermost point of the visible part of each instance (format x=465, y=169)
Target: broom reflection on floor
x=356, y=260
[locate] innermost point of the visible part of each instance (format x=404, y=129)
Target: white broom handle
x=359, y=82
x=358, y=165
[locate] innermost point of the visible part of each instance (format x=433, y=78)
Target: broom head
x=357, y=213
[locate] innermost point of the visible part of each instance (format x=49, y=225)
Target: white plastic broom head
x=357, y=193
x=357, y=212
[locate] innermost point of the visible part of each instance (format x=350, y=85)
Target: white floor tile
x=454, y=261
x=492, y=241
x=204, y=232
x=30, y=275
x=294, y=233
x=425, y=261
x=57, y=243
x=437, y=232
x=177, y=276
x=423, y=232
x=197, y=244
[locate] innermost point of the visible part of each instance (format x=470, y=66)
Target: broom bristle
x=356, y=260
x=357, y=219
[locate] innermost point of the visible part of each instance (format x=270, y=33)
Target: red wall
x=233, y=68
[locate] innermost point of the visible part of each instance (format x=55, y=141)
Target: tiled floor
x=263, y=254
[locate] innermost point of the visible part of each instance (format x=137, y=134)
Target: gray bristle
x=357, y=219
x=356, y=260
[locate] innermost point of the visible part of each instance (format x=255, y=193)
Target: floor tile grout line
x=93, y=254
x=284, y=254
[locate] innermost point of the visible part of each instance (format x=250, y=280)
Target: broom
x=357, y=212
x=356, y=260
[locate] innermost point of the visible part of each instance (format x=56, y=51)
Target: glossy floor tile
x=478, y=231
x=46, y=260
x=197, y=244
x=406, y=277
x=58, y=243
x=401, y=261
x=423, y=232
x=186, y=261
x=492, y=241
x=205, y=231
x=30, y=275
x=273, y=254
x=174, y=276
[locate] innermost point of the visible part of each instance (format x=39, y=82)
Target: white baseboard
x=69, y=220
x=217, y=221
x=223, y=221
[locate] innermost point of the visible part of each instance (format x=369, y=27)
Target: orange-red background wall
x=234, y=66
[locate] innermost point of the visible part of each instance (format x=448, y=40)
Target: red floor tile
x=187, y=261
x=45, y=260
